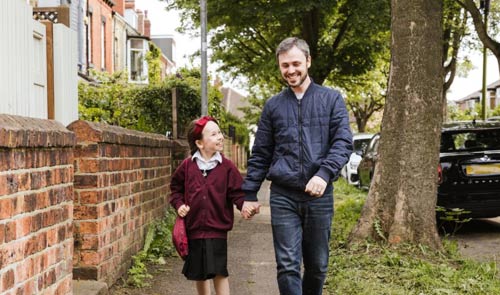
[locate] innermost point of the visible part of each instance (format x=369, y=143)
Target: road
x=479, y=239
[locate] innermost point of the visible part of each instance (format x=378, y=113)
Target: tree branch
x=480, y=27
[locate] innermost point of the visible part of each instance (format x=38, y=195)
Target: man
x=302, y=142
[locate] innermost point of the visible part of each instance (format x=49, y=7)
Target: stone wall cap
x=18, y=131
x=104, y=133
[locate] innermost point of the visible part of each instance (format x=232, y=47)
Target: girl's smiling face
x=212, y=140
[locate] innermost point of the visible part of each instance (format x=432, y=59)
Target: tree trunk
x=361, y=124
x=400, y=206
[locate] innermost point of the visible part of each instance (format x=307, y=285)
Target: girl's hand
x=183, y=210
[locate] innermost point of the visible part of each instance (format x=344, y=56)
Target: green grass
x=373, y=269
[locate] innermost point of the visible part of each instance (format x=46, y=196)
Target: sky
x=463, y=86
x=165, y=22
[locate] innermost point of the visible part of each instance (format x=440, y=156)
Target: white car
x=350, y=170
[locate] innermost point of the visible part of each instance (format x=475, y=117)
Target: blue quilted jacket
x=298, y=139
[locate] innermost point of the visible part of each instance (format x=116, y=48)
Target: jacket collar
x=309, y=89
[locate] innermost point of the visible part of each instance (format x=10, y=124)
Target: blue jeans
x=301, y=230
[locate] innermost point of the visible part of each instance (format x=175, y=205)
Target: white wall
x=18, y=36
x=65, y=75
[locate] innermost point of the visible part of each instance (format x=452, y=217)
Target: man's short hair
x=289, y=43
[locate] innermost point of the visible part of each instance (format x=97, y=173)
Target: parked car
x=468, y=171
x=350, y=170
x=494, y=118
x=366, y=166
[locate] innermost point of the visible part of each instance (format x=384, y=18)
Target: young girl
x=212, y=184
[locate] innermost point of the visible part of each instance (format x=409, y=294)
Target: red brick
x=89, y=258
x=90, y=197
x=24, y=226
x=42, y=200
x=87, y=227
x=4, y=160
x=91, y=150
x=38, y=180
x=89, y=242
x=8, y=279
x=52, y=177
x=4, y=189
x=2, y=233
x=49, y=277
x=51, y=237
x=47, y=218
x=29, y=202
x=85, y=212
x=26, y=288
x=36, y=222
x=61, y=234
x=31, y=246
x=6, y=208
x=18, y=159
x=10, y=231
x=86, y=181
x=24, y=181
x=22, y=270
x=89, y=165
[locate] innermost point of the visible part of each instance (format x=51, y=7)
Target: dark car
x=469, y=167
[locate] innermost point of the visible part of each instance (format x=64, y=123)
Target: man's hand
x=316, y=186
x=183, y=210
x=249, y=209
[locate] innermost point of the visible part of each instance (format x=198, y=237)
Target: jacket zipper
x=300, y=140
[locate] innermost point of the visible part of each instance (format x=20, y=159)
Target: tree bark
x=400, y=206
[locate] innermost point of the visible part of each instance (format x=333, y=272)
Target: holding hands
x=249, y=209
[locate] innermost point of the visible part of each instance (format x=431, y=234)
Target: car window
x=471, y=140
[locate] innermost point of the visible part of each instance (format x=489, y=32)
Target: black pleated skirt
x=207, y=258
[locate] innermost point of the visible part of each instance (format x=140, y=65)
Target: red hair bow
x=200, y=124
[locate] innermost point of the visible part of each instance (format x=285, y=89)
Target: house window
x=471, y=104
x=88, y=30
x=136, y=63
x=103, y=45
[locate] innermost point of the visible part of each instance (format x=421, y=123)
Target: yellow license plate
x=483, y=169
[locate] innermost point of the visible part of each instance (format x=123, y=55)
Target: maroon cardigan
x=210, y=199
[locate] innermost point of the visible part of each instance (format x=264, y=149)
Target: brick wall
x=36, y=191
x=121, y=186
x=236, y=153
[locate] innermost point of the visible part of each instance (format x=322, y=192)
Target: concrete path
x=251, y=264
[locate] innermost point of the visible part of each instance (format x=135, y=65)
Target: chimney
x=147, y=25
x=119, y=7
x=140, y=21
x=130, y=4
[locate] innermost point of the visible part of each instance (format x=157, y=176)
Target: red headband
x=200, y=124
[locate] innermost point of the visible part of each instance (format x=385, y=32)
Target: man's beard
x=302, y=79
